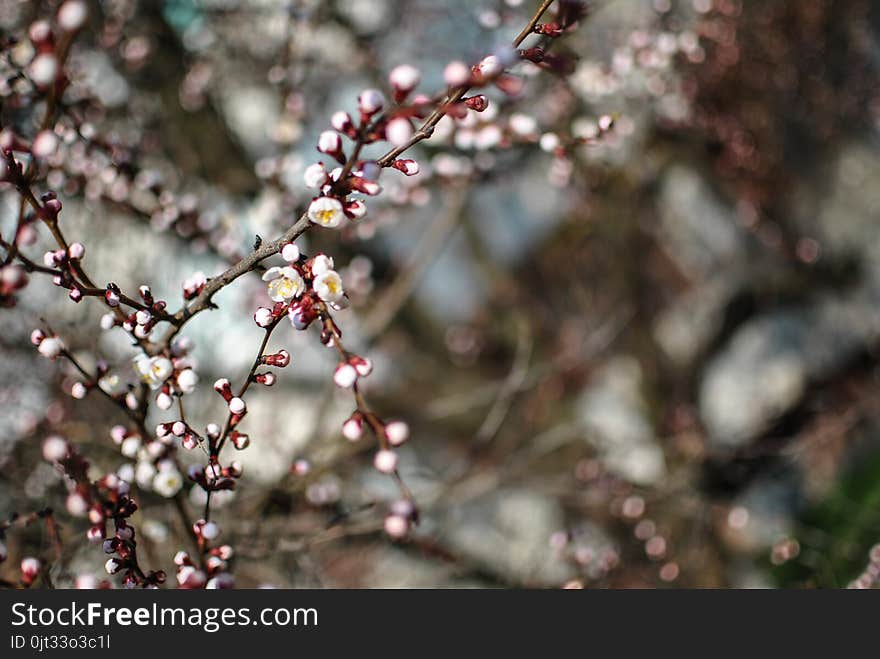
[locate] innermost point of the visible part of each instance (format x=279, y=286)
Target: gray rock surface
x=767, y=365
x=393, y=568
x=687, y=327
x=614, y=414
x=849, y=205
x=697, y=229
x=507, y=532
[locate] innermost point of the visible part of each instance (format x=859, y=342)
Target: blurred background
x=646, y=361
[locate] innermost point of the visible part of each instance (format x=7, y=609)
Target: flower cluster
x=154, y=467
x=142, y=320
x=103, y=501
x=50, y=346
x=172, y=376
x=301, y=289
x=66, y=153
x=214, y=574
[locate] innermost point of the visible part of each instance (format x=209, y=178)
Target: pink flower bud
x=210, y=531
x=290, y=253
x=355, y=209
x=130, y=446
x=237, y=406
x=549, y=142
x=266, y=379
x=30, y=569
x=367, y=187
x=353, y=428
x=78, y=390
x=407, y=166
x=302, y=313
x=404, y=508
x=194, y=285
x=363, y=366
x=190, y=577
x=96, y=518
x=178, y=429
x=221, y=581
x=548, y=29
x=215, y=563
x=44, y=144
x=239, y=440
x=86, y=582
x=385, y=461
x=76, y=251
x=370, y=101
x=320, y=264
x=43, y=69
x=345, y=375
x=263, y=317
x=477, y=103
x=52, y=206
x=223, y=388
x=456, y=74
x=330, y=143
x=490, y=67
x=403, y=79
x=37, y=337
x=55, y=449
x=398, y=131
x=50, y=347
x=396, y=526
x=279, y=359
x=314, y=176
x=187, y=380
x=71, y=15
x=40, y=32
x=76, y=504
x=397, y=432
x=342, y=122
x=212, y=473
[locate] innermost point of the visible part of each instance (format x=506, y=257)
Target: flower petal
x=272, y=273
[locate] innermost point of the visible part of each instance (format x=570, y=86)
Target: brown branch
x=251, y=261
